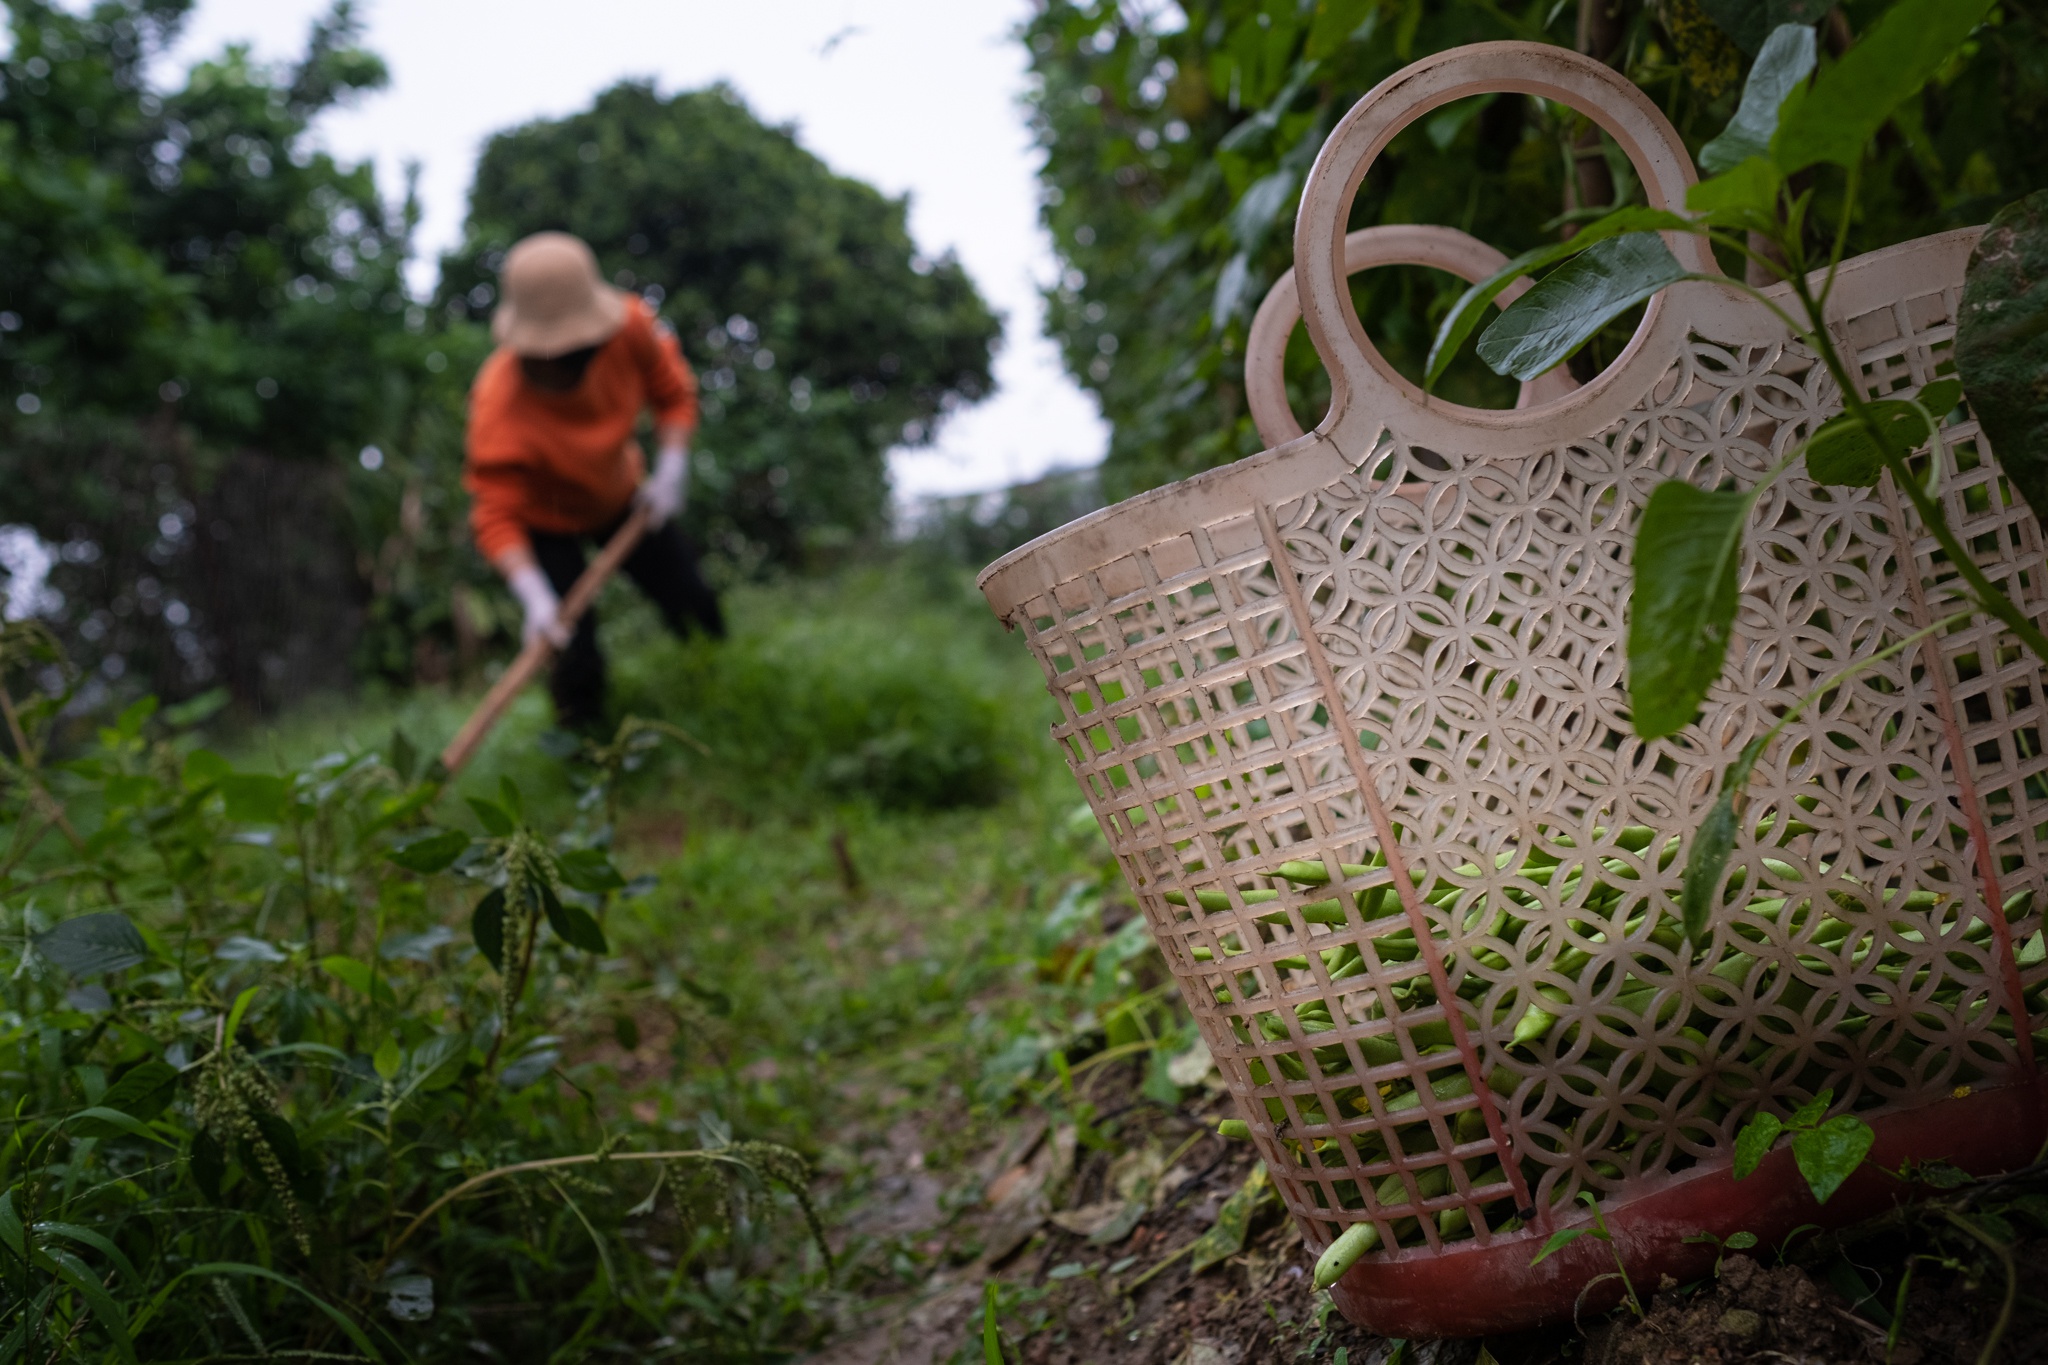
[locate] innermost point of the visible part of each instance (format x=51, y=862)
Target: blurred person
x=551, y=461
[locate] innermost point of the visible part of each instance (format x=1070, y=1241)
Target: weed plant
x=291, y=1072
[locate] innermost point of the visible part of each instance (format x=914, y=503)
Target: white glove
x=661, y=493
x=543, y=608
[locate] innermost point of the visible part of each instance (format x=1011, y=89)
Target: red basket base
x=1481, y=1290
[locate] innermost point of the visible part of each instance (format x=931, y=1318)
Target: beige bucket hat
x=551, y=298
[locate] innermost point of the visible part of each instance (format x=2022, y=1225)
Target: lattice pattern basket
x=1352, y=714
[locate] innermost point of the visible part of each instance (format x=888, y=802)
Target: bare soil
x=1018, y=1210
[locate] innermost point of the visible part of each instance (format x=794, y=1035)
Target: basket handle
x=1439, y=248
x=1367, y=394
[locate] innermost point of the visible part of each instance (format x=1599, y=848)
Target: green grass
x=890, y=687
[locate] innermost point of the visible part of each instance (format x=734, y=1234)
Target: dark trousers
x=664, y=566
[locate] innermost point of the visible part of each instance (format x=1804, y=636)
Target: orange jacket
x=565, y=462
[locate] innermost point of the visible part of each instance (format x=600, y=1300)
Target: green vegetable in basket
x=1343, y=1253
x=1635, y=992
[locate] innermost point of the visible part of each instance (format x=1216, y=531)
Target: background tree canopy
x=189, y=293
x=1177, y=140
x=820, y=335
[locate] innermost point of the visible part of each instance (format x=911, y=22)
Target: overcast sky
x=913, y=96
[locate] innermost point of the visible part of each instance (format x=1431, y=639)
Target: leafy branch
x=1690, y=541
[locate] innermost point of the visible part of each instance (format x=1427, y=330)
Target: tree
x=1175, y=154
x=820, y=335
x=203, y=317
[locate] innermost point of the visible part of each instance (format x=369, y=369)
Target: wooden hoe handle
x=538, y=651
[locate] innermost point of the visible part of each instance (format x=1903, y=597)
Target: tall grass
x=880, y=687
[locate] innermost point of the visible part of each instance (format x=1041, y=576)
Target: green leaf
x=1564, y=310
x=11, y=1234
x=1261, y=205
x=1444, y=126
x=237, y=1010
x=2002, y=344
x=198, y=710
x=1840, y=113
x=487, y=927
x=1705, y=861
x=510, y=799
x=1712, y=844
x=105, y=1311
x=1843, y=452
x=1740, y=1241
x=1687, y=560
x=1225, y=1237
x=1829, y=1154
x=1746, y=193
x=393, y=809
x=86, y=1237
x=1786, y=60
x=103, y=1121
x=142, y=1092
x=1753, y=1143
x=254, y=798
x=588, y=869
x=1809, y=1113
x=492, y=817
x=1563, y=1238
x=358, y=977
x=1159, y=1084
x=131, y=720
x=335, y=1315
x=572, y=923
x=430, y=852
x=1471, y=306
x=91, y=945
x=203, y=766
x=389, y=1057
x=991, y=1334
x=1335, y=23
x=436, y=1063
x=1940, y=397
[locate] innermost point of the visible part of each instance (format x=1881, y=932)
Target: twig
x=1964, y=1199
x=2012, y=1282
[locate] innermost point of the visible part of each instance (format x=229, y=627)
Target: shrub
x=861, y=697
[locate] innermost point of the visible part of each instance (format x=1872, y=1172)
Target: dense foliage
x=820, y=335
x=202, y=316
x=1176, y=152
x=257, y=1042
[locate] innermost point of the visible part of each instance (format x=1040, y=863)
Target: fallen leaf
x=1119, y=1227
x=1090, y=1219
x=1191, y=1066
x=1225, y=1237
x=1009, y=1184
